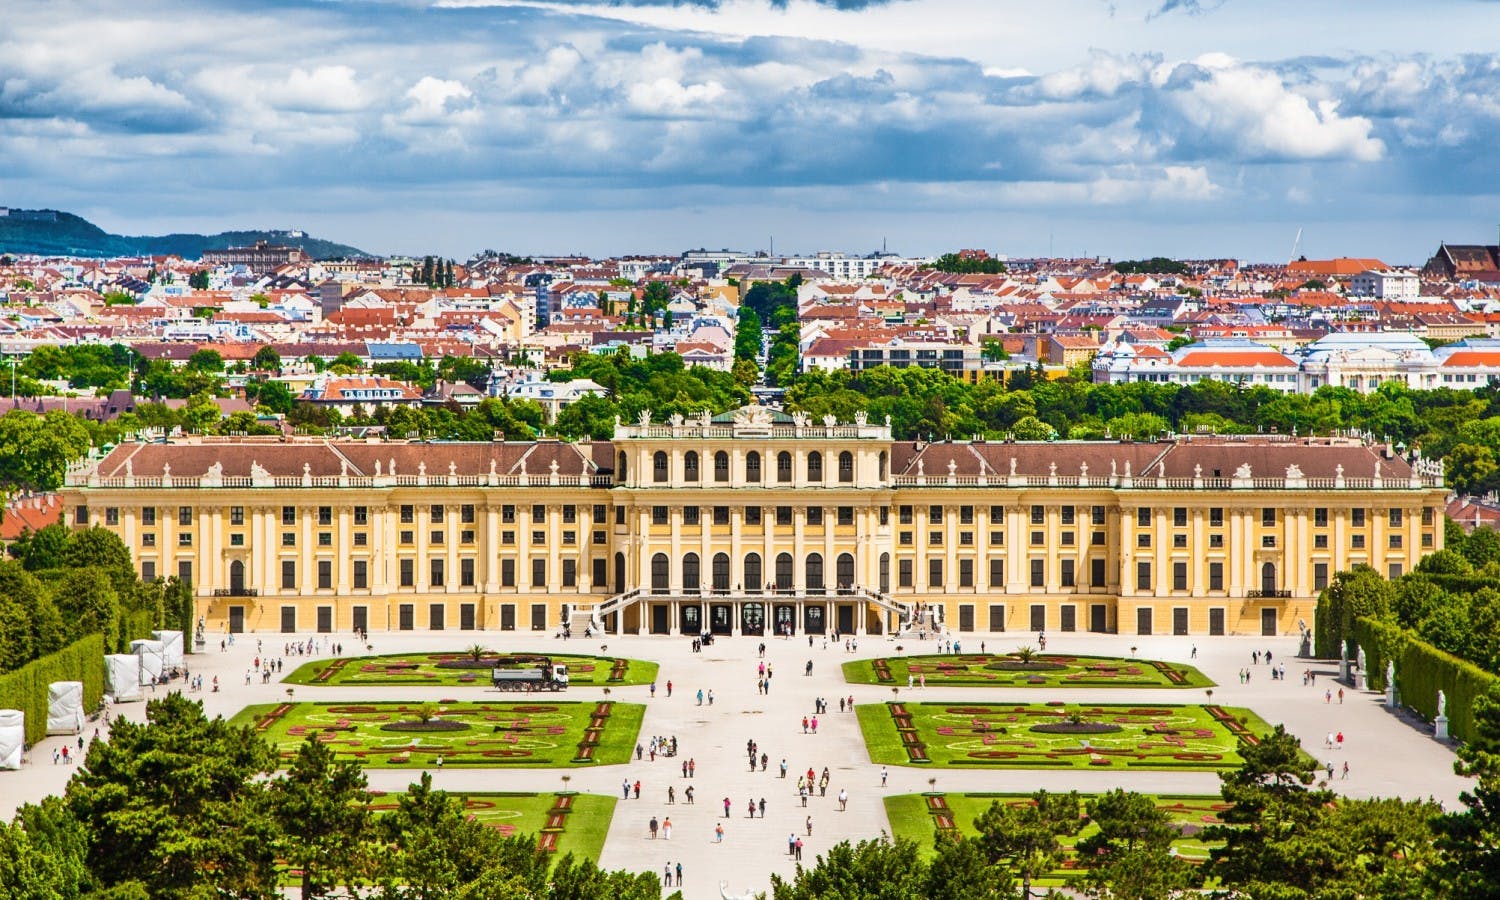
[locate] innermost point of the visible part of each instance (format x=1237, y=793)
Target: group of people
x=657, y=744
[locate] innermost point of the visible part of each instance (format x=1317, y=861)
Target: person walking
x=718, y=833
x=783, y=768
x=666, y=828
x=791, y=844
x=726, y=807
x=688, y=795
x=843, y=799
x=669, y=687
x=797, y=849
x=653, y=826
x=809, y=826
x=763, y=807
x=751, y=804
x=700, y=696
x=625, y=789
x=684, y=768
x=1346, y=769
x=692, y=767
x=679, y=874
x=883, y=774
x=1341, y=696
x=666, y=875
x=710, y=697
x=637, y=790
x=671, y=796
x=653, y=690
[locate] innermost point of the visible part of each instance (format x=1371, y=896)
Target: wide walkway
x=1387, y=756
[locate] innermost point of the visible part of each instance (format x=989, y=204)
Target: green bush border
x=26, y=688
x=1421, y=671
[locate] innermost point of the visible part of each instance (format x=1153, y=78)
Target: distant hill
x=49, y=232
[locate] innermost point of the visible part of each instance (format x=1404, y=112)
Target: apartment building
x=756, y=522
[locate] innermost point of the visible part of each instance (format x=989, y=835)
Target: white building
x=1386, y=284
x=1235, y=361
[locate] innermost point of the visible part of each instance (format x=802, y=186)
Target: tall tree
x=869, y=870
x=1022, y=838
x=323, y=814
x=1130, y=856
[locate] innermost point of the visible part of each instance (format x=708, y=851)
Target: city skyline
x=1123, y=129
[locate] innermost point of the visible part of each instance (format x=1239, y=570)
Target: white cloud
x=323, y=89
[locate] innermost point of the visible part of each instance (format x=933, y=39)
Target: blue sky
x=1179, y=127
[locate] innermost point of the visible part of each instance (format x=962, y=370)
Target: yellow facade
x=755, y=522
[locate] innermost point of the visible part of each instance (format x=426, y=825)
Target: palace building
x=758, y=522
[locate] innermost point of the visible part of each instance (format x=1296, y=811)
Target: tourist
x=700, y=696
x=653, y=824
x=751, y=804
x=666, y=875
x=791, y=844
x=843, y=799
x=809, y=826
x=783, y=767
x=1346, y=769
x=692, y=768
x=710, y=697
x=688, y=795
x=684, y=768
x=666, y=828
x=726, y=807
x=763, y=807
x=1341, y=696
x=669, y=687
x=1338, y=740
x=653, y=690
x=679, y=874
x=671, y=796
x=797, y=849
x=718, y=833
x=883, y=774
x=637, y=790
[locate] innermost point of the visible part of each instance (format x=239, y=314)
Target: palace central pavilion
x=757, y=522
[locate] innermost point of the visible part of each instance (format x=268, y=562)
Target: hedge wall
x=1421, y=671
x=26, y=688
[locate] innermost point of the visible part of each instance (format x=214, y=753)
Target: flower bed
x=1041, y=670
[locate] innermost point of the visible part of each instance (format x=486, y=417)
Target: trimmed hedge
x=1421, y=671
x=26, y=688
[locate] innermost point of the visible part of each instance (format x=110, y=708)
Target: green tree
x=748, y=335
x=35, y=450
x=435, y=851
x=869, y=870
x=198, y=281
x=207, y=361
x=176, y=804
x=266, y=359
x=1469, y=841
x=323, y=814
x=1022, y=839
x=967, y=265
x=43, y=855
x=1030, y=428
x=1130, y=856
x=1361, y=591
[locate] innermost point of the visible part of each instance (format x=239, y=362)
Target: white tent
x=12, y=738
x=65, y=707
x=153, y=661
x=171, y=642
x=122, y=676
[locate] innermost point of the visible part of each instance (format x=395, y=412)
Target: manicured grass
x=1049, y=670
x=919, y=817
x=563, y=823
x=551, y=734
x=973, y=735
x=406, y=669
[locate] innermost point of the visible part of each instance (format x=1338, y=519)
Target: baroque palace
x=758, y=522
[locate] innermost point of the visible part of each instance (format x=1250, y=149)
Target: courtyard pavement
x=1387, y=755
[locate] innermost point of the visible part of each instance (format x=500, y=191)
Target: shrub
x=26, y=688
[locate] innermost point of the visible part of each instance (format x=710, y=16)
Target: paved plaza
x=1387, y=755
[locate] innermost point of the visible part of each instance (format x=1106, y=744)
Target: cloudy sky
x=1113, y=127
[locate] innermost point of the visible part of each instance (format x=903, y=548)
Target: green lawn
x=1050, y=670
x=918, y=817
x=446, y=669
x=975, y=735
x=552, y=734
x=563, y=823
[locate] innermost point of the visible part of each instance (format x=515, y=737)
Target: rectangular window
x=1215, y=541
x=538, y=513
x=997, y=515
x=721, y=515
x=659, y=515
x=466, y=573
x=1067, y=515
x=1179, y=517
x=690, y=515
x=935, y=538
x=1143, y=576
x=507, y=573
x=1268, y=516
x=1069, y=620
x=815, y=515
x=405, y=614
x=997, y=572
x=600, y=513
x=408, y=573
x=966, y=515
x=1096, y=572
x=619, y=515
x=783, y=515
x=408, y=514
x=1427, y=515
x=1067, y=577
x=1320, y=542
x=1097, y=539
x=1268, y=540
x=1038, y=514
x=538, y=573
x=885, y=515
x=289, y=515
x=1038, y=617
x=184, y=515
x=1216, y=517
x=1179, y=540
x=846, y=515
x=185, y=571
x=997, y=617
x=1320, y=576
x=1395, y=541
x=148, y=570
x=111, y=515
x=149, y=539
x=288, y=574
x=289, y=539
x=1143, y=517
x=570, y=573
x=435, y=537
x=508, y=513
x=361, y=574
x=1320, y=517
x=466, y=536
x=539, y=537
x=906, y=515
x=435, y=617
x=1395, y=517
x=1357, y=541
x=599, y=574
x=325, y=539
x=1067, y=538
x=1393, y=571
x=1357, y=518
x=361, y=515
x=325, y=515
x=997, y=537
x=80, y=515
x=752, y=515
x=435, y=514
x=507, y=537
x=1179, y=576
x=1216, y=576
x=148, y=515
x=438, y=574
x=966, y=573
x=934, y=515
x=934, y=573
x=904, y=573
x=1038, y=572
x=466, y=514
x=325, y=574
x=570, y=514
x=1143, y=539
x=1097, y=516
x=966, y=538
x=185, y=539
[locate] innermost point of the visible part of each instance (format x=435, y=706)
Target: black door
x=721, y=618
x=538, y=617
x=814, y=618
x=288, y=619
x=659, y=621
x=236, y=620
x=361, y=619
x=436, y=616
x=1069, y=618
x=466, y=616
x=619, y=573
x=785, y=619
x=690, y=616
x=1098, y=618
x=1216, y=621
x=507, y=617
x=846, y=618
x=752, y=619
x=1180, y=620
x=405, y=614
x=1143, y=621
x=966, y=617
x=1038, y=617
x=1268, y=622
x=325, y=620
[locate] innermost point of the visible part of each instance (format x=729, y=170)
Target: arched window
x=846, y=466
x=660, y=470
x=844, y=572
x=721, y=573
x=753, y=583
x=619, y=573
x=661, y=574
x=620, y=469
x=882, y=465
x=752, y=467
x=784, y=467
x=690, y=576
x=236, y=578
x=815, y=466
x=721, y=466
x=1268, y=579
x=885, y=573
x=690, y=466
x=784, y=577
x=814, y=573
